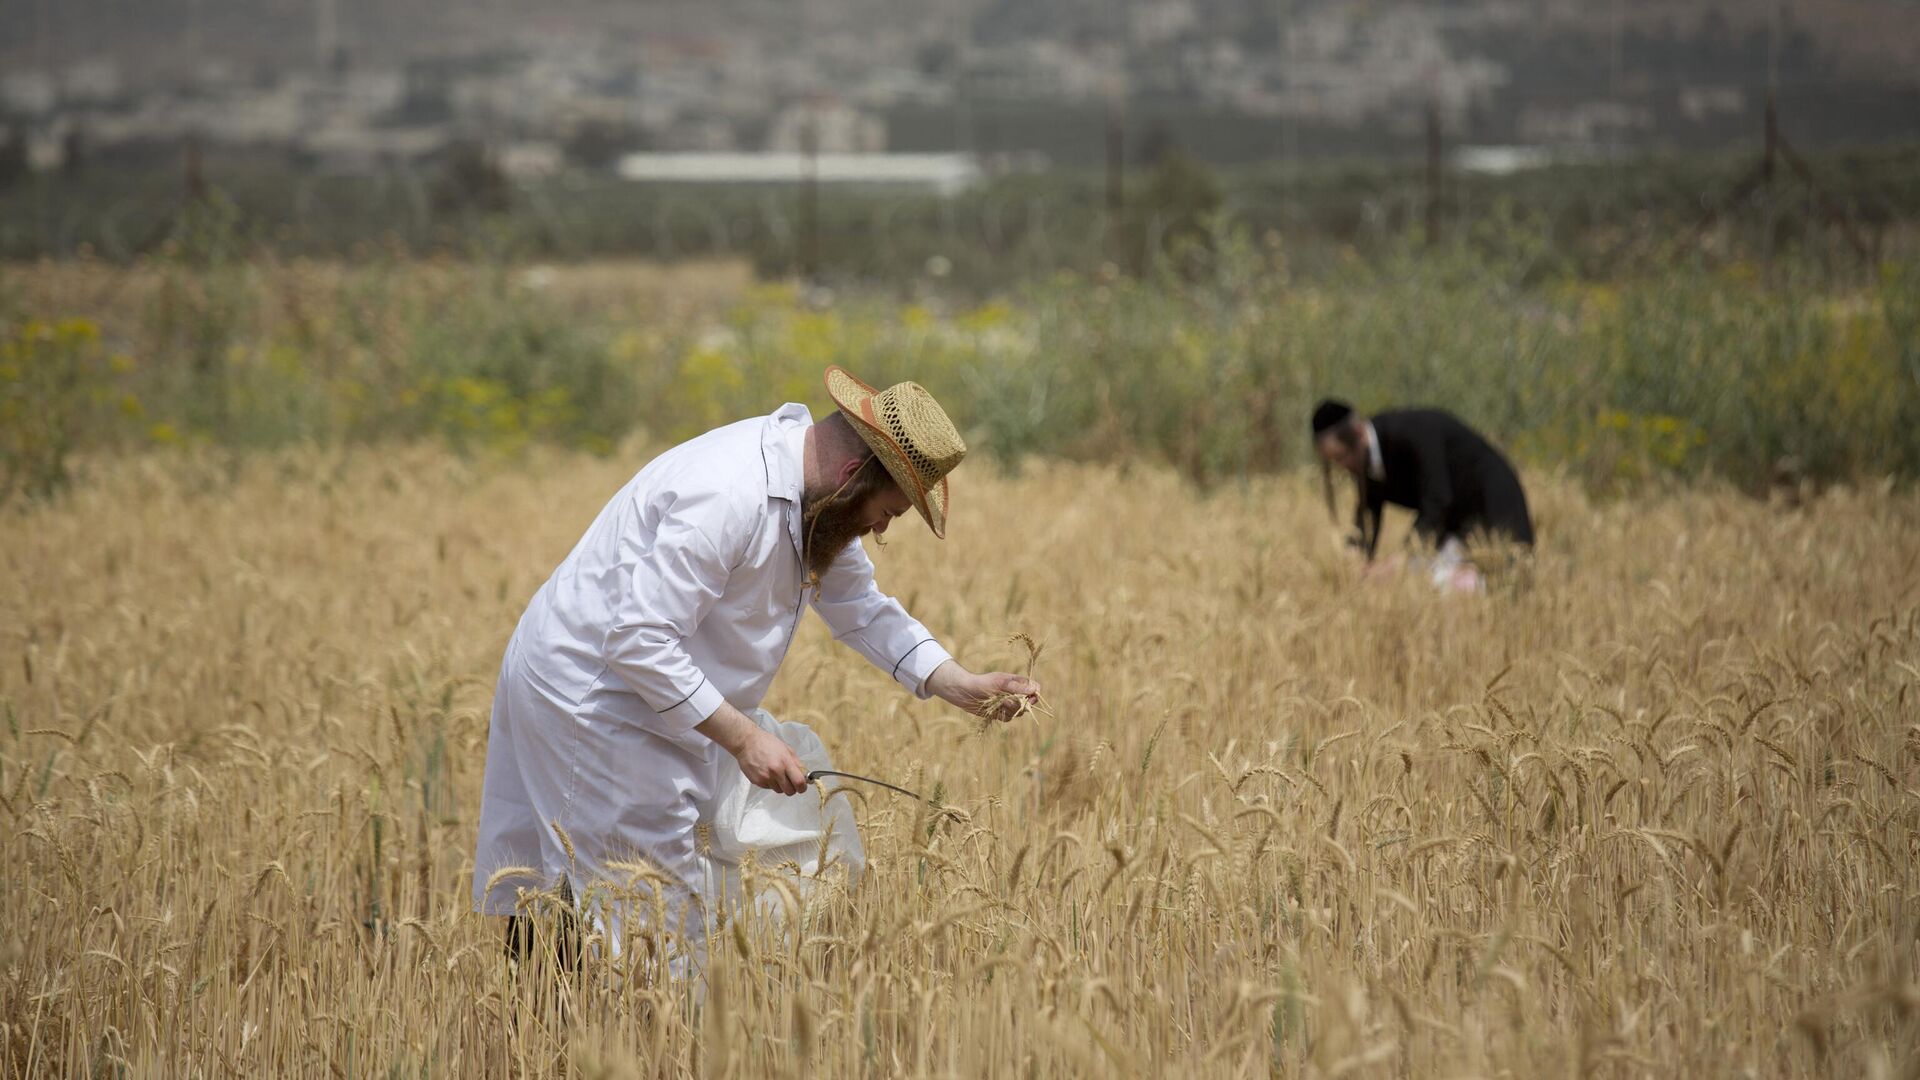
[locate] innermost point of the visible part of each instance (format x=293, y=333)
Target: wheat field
x=1653, y=813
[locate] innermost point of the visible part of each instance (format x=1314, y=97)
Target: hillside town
x=997, y=82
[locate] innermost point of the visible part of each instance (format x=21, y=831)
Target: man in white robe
x=625, y=684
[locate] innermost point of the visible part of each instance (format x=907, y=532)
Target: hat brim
x=855, y=398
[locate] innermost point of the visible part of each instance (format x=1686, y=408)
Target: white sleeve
x=1448, y=559
x=669, y=581
x=874, y=624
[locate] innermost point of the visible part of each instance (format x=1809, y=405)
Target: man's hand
x=766, y=760
x=770, y=763
x=996, y=695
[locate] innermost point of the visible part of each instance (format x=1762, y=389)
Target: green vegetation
x=1594, y=220
x=1209, y=361
x=56, y=384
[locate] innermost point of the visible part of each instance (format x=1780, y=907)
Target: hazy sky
x=172, y=36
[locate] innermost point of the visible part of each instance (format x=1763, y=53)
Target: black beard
x=827, y=527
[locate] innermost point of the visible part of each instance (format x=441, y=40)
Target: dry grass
x=1655, y=815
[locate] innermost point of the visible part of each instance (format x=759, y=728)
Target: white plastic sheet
x=781, y=834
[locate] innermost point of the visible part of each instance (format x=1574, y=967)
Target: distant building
x=944, y=173
x=29, y=93
x=1155, y=21
x=1037, y=71
x=531, y=159
x=836, y=129
x=350, y=150
x=700, y=135
x=1699, y=103
x=47, y=146
x=1501, y=160
x=1585, y=124
x=92, y=82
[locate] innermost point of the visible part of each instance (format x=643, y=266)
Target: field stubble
x=1654, y=814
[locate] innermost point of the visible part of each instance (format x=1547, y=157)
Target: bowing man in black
x=1456, y=483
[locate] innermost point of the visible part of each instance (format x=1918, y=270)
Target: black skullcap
x=1329, y=414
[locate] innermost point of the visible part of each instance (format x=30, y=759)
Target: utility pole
x=1119, y=247
x=1434, y=172
x=1774, y=148
x=1770, y=142
x=44, y=39
x=962, y=120
x=1116, y=174
x=193, y=182
x=1283, y=45
x=326, y=34
x=1613, y=92
x=41, y=193
x=810, y=194
x=807, y=252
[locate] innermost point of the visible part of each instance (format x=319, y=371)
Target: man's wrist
x=729, y=727
x=941, y=680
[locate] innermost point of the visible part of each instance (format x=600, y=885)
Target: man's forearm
x=765, y=759
x=941, y=678
x=729, y=727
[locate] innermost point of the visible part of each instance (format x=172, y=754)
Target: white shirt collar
x=1376, y=468
x=784, y=446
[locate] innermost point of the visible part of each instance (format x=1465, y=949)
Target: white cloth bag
x=779, y=831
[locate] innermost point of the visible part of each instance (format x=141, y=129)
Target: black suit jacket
x=1444, y=471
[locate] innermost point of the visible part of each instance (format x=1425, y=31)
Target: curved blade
x=818, y=773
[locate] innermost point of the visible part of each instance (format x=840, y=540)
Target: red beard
x=829, y=525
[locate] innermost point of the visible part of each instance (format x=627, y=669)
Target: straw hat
x=909, y=433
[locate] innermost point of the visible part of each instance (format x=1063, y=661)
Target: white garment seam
x=903, y=657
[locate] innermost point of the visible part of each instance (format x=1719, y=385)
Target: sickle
x=818, y=773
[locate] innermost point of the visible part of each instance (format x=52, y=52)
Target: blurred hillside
x=1239, y=80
